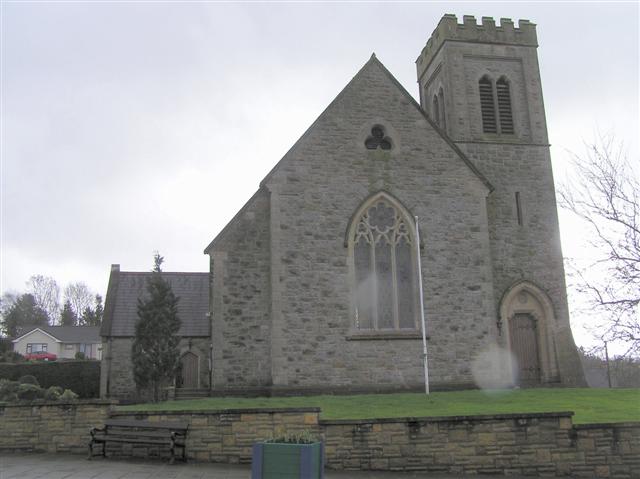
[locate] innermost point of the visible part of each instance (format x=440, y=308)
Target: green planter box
x=272, y=460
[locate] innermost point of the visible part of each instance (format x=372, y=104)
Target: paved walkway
x=63, y=466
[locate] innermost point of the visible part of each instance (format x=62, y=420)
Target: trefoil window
x=378, y=139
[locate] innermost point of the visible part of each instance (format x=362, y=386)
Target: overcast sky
x=137, y=126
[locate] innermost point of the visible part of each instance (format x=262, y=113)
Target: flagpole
x=424, y=328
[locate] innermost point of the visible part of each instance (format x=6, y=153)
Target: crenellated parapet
x=470, y=31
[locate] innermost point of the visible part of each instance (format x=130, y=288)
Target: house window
x=382, y=247
x=495, y=106
x=36, y=348
x=85, y=348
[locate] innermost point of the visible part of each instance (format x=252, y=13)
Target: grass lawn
x=589, y=405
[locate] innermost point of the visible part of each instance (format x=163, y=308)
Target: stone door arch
x=528, y=322
x=189, y=370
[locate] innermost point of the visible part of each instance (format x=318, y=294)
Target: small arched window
x=504, y=106
x=436, y=110
x=381, y=247
x=487, y=105
x=443, y=120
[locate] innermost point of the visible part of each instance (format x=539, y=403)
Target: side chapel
x=313, y=285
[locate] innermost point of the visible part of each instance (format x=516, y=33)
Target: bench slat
x=146, y=424
x=170, y=434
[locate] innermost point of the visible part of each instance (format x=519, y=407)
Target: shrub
x=53, y=393
x=28, y=379
x=68, y=395
x=83, y=377
x=302, y=437
x=80, y=355
x=29, y=392
x=11, y=357
x=8, y=390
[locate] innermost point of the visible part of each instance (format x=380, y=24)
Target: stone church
x=313, y=285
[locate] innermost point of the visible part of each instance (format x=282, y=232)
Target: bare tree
x=46, y=292
x=79, y=296
x=605, y=193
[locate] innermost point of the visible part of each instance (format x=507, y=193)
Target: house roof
x=126, y=287
x=371, y=63
x=68, y=334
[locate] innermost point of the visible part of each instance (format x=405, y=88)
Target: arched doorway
x=528, y=318
x=189, y=371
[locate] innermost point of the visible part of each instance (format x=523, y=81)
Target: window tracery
x=382, y=250
x=378, y=139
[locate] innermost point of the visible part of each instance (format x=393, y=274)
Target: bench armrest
x=94, y=430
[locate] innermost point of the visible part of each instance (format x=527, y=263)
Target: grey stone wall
x=60, y=427
x=512, y=163
x=315, y=191
x=241, y=299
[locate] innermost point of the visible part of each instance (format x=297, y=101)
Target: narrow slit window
x=518, y=208
x=487, y=106
x=436, y=110
x=504, y=106
x=443, y=121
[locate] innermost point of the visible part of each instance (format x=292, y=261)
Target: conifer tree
x=155, y=347
x=68, y=316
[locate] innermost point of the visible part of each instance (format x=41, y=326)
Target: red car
x=41, y=356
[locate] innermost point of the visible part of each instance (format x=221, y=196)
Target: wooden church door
x=189, y=363
x=524, y=346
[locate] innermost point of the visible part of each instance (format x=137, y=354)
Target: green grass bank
x=589, y=405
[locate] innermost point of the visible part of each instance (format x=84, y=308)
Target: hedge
x=82, y=377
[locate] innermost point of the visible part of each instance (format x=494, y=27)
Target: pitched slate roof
x=70, y=334
x=125, y=287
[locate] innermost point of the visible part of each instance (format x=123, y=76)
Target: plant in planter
x=288, y=456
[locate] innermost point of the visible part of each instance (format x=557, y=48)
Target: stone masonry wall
x=241, y=299
x=518, y=162
x=316, y=190
x=543, y=444
x=51, y=427
x=227, y=436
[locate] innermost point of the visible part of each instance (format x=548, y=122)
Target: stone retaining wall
x=51, y=427
x=544, y=444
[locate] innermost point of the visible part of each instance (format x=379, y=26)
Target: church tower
x=480, y=83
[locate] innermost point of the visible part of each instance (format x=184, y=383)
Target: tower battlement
x=469, y=31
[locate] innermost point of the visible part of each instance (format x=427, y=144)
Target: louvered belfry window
x=504, y=106
x=385, y=286
x=487, y=106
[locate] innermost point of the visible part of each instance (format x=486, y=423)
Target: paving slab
x=66, y=466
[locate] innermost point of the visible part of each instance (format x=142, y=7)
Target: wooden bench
x=173, y=435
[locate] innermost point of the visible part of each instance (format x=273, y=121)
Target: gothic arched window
x=382, y=248
x=504, y=106
x=487, y=106
x=436, y=110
